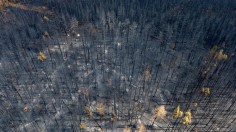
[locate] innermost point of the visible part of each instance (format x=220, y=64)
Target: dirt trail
x=39, y=9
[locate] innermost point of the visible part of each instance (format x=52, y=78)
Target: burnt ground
x=130, y=56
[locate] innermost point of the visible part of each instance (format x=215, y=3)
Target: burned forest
x=117, y=65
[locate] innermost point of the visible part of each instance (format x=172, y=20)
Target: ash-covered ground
x=109, y=65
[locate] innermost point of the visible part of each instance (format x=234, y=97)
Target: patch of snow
x=73, y=97
x=58, y=114
x=122, y=78
x=127, y=90
x=106, y=51
x=118, y=44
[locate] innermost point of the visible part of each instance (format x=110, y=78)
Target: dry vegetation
x=141, y=128
x=160, y=112
x=127, y=129
x=101, y=109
